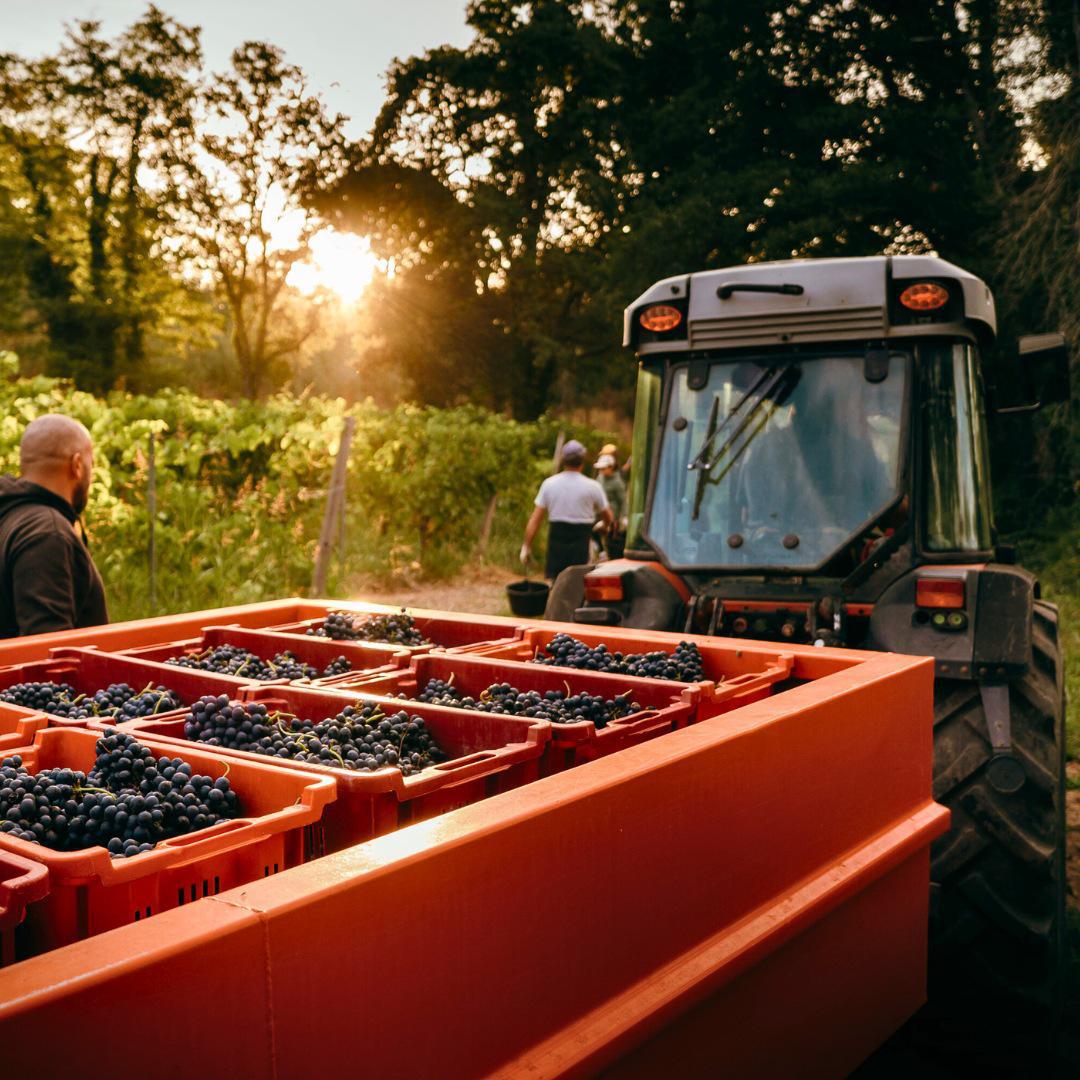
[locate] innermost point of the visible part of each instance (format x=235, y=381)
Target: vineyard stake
x=334, y=499
x=151, y=506
x=485, y=527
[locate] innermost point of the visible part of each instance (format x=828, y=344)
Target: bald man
x=48, y=581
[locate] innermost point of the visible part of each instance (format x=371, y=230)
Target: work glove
x=525, y=554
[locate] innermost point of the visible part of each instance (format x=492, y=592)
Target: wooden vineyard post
x=151, y=509
x=335, y=504
x=485, y=527
x=556, y=461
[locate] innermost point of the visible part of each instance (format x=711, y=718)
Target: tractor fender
x=652, y=600
x=994, y=641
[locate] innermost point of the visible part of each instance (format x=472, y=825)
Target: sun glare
x=341, y=262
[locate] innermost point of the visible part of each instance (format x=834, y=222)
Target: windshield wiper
x=768, y=375
x=775, y=386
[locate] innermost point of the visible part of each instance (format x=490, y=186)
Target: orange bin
x=748, y=894
x=734, y=675
x=159, y=629
x=444, y=630
x=89, y=891
x=488, y=753
x=87, y=670
x=364, y=656
x=22, y=882
x=17, y=725
x=666, y=706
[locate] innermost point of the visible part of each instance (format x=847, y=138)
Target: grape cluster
x=552, y=705
x=682, y=665
x=127, y=802
x=233, y=660
x=397, y=629
x=118, y=700
x=360, y=737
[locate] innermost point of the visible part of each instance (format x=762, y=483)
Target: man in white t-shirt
x=573, y=503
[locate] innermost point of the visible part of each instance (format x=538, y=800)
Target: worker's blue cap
x=572, y=448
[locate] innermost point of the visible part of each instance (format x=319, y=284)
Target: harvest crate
x=734, y=675
x=487, y=753
x=88, y=670
x=667, y=706
x=116, y=637
x=22, y=882
x=445, y=631
x=17, y=725
x=318, y=652
x=90, y=892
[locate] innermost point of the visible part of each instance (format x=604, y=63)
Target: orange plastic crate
x=161, y=628
x=90, y=892
x=318, y=652
x=445, y=631
x=734, y=675
x=22, y=882
x=88, y=670
x=487, y=754
x=667, y=706
x=17, y=725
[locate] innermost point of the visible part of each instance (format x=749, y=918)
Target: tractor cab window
x=956, y=468
x=772, y=462
x=646, y=419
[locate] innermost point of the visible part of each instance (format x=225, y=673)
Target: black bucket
x=528, y=598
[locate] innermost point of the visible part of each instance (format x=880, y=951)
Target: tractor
x=810, y=463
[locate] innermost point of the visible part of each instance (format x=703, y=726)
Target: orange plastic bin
x=487, y=754
x=748, y=894
x=17, y=725
x=665, y=706
x=22, y=882
x=87, y=670
x=89, y=891
x=364, y=656
x=444, y=631
x=734, y=674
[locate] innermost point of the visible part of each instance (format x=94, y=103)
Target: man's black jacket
x=48, y=581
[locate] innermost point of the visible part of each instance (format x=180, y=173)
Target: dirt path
x=479, y=590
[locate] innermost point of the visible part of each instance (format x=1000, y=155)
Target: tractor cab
x=810, y=459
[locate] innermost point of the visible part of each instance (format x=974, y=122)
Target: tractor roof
x=826, y=300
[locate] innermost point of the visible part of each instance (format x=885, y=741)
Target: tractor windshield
x=777, y=463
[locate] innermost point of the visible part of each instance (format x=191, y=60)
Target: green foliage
x=531, y=184
x=241, y=487
x=1051, y=549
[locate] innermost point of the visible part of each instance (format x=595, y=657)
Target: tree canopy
x=523, y=189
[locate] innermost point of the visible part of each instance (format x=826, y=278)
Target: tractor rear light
x=924, y=296
x=939, y=592
x=604, y=588
x=660, y=318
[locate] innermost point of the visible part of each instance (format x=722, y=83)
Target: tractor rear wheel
x=998, y=895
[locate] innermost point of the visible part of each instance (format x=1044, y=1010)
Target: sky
x=344, y=46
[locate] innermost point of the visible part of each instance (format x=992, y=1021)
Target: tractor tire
x=997, y=923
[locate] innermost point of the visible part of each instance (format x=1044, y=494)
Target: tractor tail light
x=924, y=296
x=939, y=592
x=603, y=588
x=660, y=318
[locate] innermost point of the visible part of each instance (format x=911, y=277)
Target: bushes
x=240, y=487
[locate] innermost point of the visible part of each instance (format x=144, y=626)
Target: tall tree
x=87, y=128
x=263, y=143
x=574, y=152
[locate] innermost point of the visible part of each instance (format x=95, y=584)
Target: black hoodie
x=48, y=581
